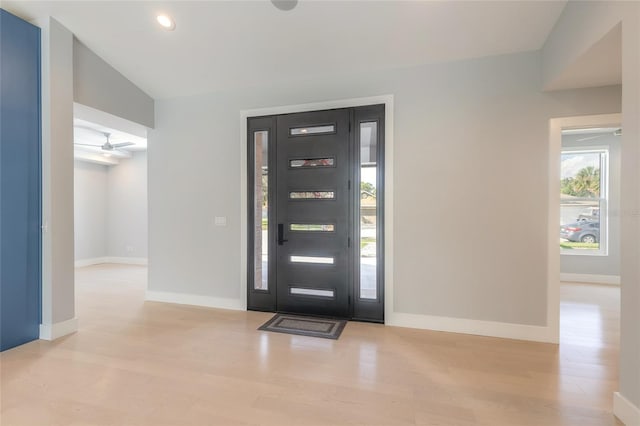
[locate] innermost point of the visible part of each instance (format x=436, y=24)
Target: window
x=261, y=205
x=584, y=201
x=368, y=210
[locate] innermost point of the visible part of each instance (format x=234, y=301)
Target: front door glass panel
x=311, y=162
x=312, y=195
x=311, y=227
x=312, y=130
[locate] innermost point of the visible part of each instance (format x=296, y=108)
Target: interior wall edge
x=53, y=331
x=625, y=410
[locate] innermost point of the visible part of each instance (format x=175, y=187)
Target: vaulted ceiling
x=219, y=45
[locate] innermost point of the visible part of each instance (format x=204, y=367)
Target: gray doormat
x=305, y=326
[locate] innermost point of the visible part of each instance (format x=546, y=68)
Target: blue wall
x=20, y=182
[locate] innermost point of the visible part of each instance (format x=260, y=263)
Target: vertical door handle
x=281, y=239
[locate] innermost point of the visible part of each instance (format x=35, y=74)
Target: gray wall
x=461, y=157
x=58, y=293
x=111, y=209
x=127, y=207
x=600, y=265
x=580, y=25
x=98, y=85
x=90, y=210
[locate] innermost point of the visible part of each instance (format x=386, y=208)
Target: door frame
x=388, y=102
x=556, y=125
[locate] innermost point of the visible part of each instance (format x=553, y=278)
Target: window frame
x=603, y=199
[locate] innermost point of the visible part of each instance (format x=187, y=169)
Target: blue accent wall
x=20, y=181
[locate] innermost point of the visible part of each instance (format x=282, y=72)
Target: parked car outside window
x=583, y=232
x=590, y=214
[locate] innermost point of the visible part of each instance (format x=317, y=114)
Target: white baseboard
x=624, y=410
x=58, y=329
x=195, y=300
x=477, y=327
x=91, y=261
x=128, y=260
x=452, y=325
x=591, y=278
x=122, y=260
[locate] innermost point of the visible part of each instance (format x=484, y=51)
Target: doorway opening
x=584, y=226
x=590, y=236
x=316, y=213
x=110, y=206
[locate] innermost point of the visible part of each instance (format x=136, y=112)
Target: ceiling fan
x=108, y=146
x=617, y=132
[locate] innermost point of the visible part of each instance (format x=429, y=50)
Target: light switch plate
x=221, y=221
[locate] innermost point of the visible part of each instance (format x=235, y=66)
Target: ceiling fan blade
x=87, y=144
x=589, y=138
x=122, y=144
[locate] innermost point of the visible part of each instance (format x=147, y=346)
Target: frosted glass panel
x=309, y=227
x=312, y=259
x=368, y=143
x=312, y=130
x=311, y=292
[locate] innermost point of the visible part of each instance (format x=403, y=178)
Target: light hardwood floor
x=143, y=363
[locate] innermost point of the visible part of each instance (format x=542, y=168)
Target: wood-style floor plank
x=143, y=363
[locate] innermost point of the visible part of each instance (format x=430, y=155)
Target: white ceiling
x=89, y=133
x=600, y=65
x=219, y=45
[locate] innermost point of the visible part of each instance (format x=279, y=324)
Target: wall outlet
x=129, y=249
x=220, y=221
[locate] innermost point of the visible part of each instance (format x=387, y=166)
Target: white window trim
x=603, y=250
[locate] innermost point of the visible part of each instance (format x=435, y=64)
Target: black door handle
x=281, y=239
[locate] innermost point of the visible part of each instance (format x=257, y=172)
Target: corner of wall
x=60, y=329
x=625, y=411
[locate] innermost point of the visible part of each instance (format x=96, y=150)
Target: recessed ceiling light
x=166, y=22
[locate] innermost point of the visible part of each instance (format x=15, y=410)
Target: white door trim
x=387, y=100
x=553, y=251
